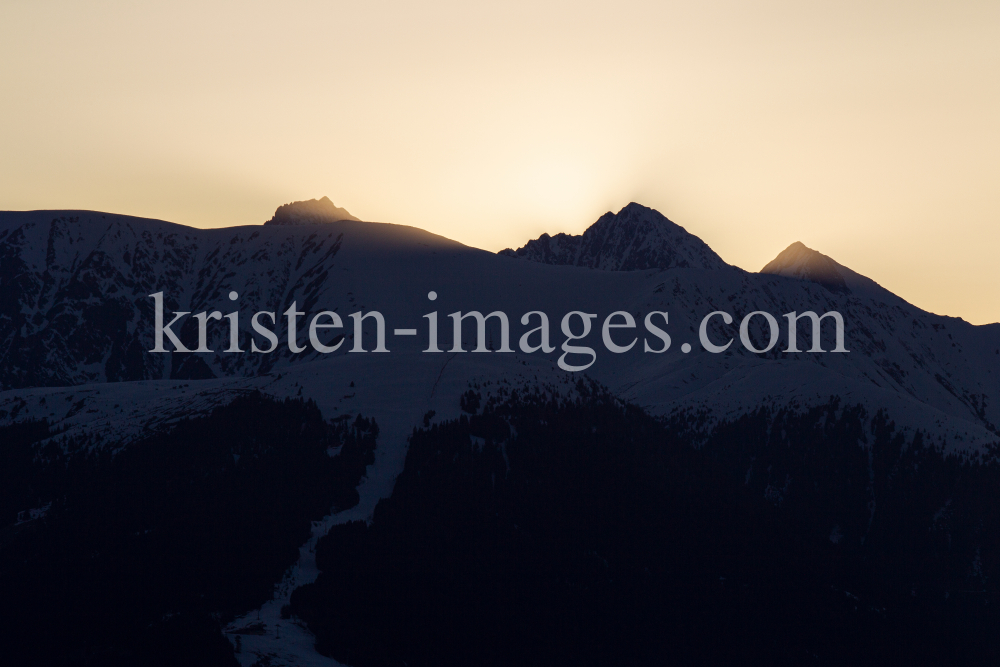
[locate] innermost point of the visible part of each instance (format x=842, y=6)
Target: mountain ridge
x=75, y=310
x=635, y=238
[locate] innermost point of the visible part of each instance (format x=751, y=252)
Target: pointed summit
x=635, y=238
x=309, y=212
x=804, y=263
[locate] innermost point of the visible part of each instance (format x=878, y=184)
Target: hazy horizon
x=865, y=130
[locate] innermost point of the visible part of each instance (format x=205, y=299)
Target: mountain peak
x=802, y=262
x=309, y=212
x=635, y=238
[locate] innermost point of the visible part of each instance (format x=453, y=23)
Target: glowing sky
x=867, y=130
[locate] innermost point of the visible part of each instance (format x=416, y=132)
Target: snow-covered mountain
x=77, y=319
x=75, y=310
x=76, y=285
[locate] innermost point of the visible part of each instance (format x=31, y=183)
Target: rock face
x=309, y=212
x=636, y=238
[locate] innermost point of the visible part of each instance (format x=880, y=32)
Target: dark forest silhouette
x=143, y=554
x=584, y=532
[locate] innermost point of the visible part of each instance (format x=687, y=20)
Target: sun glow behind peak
x=865, y=129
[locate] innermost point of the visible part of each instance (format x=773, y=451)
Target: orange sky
x=867, y=130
